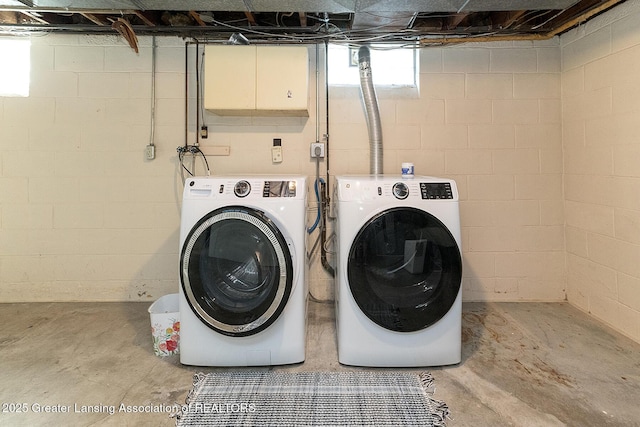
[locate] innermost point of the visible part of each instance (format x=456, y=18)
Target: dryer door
x=236, y=271
x=404, y=269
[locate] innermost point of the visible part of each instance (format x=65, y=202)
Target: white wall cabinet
x=256, y=80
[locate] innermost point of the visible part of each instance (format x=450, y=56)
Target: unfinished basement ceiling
x=437, y=21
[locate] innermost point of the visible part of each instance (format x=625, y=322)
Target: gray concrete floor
x=524, y=364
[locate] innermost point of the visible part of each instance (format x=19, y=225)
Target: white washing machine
x=242, y=292
x=399, y=271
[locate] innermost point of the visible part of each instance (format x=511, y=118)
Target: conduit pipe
x=152, y=137
x=371, y=111
x=326, y=200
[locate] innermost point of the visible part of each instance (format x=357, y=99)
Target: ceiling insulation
x=355, y=21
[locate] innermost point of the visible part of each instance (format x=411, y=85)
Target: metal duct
x=371, y=111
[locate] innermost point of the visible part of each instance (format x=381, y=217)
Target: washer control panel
x=242, y=188
x=400, y=190
x=274, y=188
x=279, y=189
x=269, y=188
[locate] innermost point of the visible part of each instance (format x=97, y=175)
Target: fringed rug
x=278, y=398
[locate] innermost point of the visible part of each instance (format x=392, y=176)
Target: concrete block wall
x=488, y=116
x=601, y=144
x=539, y=136
x=85, y=217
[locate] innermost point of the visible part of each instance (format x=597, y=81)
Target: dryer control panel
x=372, y=188
x=428, y=190
x=440, y=190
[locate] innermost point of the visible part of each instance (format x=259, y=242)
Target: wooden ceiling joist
x=35, y=17
x=584, y=16
x=506, y=19
x=250, y=18
x=195, y=15
x=454, y=20
x=8, y=17
x=96, y=19
x=429, y=26
x=144, y=18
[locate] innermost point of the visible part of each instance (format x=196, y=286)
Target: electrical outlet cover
x=276, y=154
x=317, y=150
x=150, y=152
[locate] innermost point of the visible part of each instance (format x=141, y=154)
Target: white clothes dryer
x=242, y=291
x=399, y=271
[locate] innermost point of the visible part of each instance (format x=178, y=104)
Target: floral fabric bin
x=165, y=325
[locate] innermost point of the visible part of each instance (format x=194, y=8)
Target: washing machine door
x=404, y=269
x=236, y=271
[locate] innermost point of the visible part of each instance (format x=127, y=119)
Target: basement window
x=15, y=72
x=391, y=65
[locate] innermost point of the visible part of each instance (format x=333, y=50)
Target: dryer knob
x=400, y=190
x=242, y=188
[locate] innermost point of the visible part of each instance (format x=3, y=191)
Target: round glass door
x=236, y=271
x=404, y=269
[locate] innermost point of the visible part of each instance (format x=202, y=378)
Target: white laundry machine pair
x=243, y=292
x=399, y=271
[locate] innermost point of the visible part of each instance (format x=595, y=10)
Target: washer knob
x=242, y=188
x=400, y=190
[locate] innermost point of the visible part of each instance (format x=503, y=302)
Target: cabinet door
x=282, y=80
x=230, y=79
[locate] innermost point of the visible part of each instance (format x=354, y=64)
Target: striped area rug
x=280, y=398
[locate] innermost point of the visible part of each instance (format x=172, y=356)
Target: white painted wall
x=542, y=139
x=85, y=217
x=82, y=215
x=601, y=143
x=488, y=116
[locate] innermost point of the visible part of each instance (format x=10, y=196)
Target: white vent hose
x=371, y=110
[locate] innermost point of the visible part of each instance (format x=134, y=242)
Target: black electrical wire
x=198, y=151
x=194, y=150
x=197, y=90
x=186, y=95
x=201, y=91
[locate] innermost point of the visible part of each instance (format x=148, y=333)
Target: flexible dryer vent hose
x=371, y=110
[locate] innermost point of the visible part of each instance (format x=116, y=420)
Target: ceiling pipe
x=371, y=110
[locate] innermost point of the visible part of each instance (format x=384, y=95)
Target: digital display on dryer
x=279, y=189
x=439, y=190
